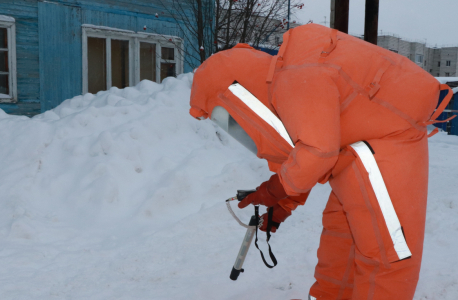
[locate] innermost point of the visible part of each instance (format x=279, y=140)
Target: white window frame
x=134, y=38
x=10, y=24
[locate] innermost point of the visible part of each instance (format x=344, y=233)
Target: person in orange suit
x=333, y=108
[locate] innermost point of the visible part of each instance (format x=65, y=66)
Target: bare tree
x=253, y=21
x=209, y=26
x=195, y=21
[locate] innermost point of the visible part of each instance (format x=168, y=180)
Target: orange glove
x=279, y=216
x=268, y=193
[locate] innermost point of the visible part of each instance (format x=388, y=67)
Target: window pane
x=4, y=85
x=168, y=53
x=419, y=58
x=167, y=70
x=3, y=38
x=96, y=59
x=119, y=63
x=4, y=61
x=148, y=61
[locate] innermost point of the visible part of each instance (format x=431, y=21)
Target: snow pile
x=120, y=195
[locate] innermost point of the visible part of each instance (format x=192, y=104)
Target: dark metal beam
x=339, y=14
x=371, y=21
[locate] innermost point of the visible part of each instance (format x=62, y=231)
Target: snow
x=120, y=195
x=6, y=18
x=4, y=96
x=444, y=80
x=96, y=27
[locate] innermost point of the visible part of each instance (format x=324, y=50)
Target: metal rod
x=289, y=14
x=371, y=21
x=250, y=232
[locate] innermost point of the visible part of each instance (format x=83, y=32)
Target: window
x=448, y=63
x=447, y=74
x=168, y=64
x=393, y=50
x=8, y=89
x=418, y=58
x=277, y=40
x=148, y=61
x=120, y=63
x=121, y=58
x=97, y=64
x=439, y=64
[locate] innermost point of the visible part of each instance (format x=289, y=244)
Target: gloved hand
x=279, y=215
x=268, y=193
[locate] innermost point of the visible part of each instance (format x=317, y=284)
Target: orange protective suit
x=356, y=116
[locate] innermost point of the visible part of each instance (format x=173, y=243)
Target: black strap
x=269, y=227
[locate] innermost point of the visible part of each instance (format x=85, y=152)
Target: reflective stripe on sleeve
x=261, y=110
x=383, y=198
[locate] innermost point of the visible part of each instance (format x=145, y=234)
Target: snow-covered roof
x=7, y=18
x=444, y=80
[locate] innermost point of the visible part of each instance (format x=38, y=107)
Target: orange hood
x=249, y=68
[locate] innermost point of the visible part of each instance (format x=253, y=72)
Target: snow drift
x=120, y=195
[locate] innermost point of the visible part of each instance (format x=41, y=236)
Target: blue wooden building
x=451, y=109
x=52, y=50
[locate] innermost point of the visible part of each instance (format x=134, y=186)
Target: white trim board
x=10, y=25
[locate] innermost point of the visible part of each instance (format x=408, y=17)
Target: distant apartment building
x=439, y=62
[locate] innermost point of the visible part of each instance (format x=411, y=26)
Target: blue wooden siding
x=49, y=45
x=61, y=45
x=454, y=129
x=60, y=53
x=135, y=8
x=28, y=81
x=269, y=51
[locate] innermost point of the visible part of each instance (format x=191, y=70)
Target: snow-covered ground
x=120, y=195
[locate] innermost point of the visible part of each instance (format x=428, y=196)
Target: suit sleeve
x=307, y=101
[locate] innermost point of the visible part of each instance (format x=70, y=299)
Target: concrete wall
x=449, y=54
x=431, y=56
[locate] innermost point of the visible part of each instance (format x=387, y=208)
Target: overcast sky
x=433, y=20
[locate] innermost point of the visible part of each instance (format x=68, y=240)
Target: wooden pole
x=289, y=14
x=339, y=14
x=371, y=21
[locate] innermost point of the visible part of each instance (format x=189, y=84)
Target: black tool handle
x=235, y=273
x=242, y=194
